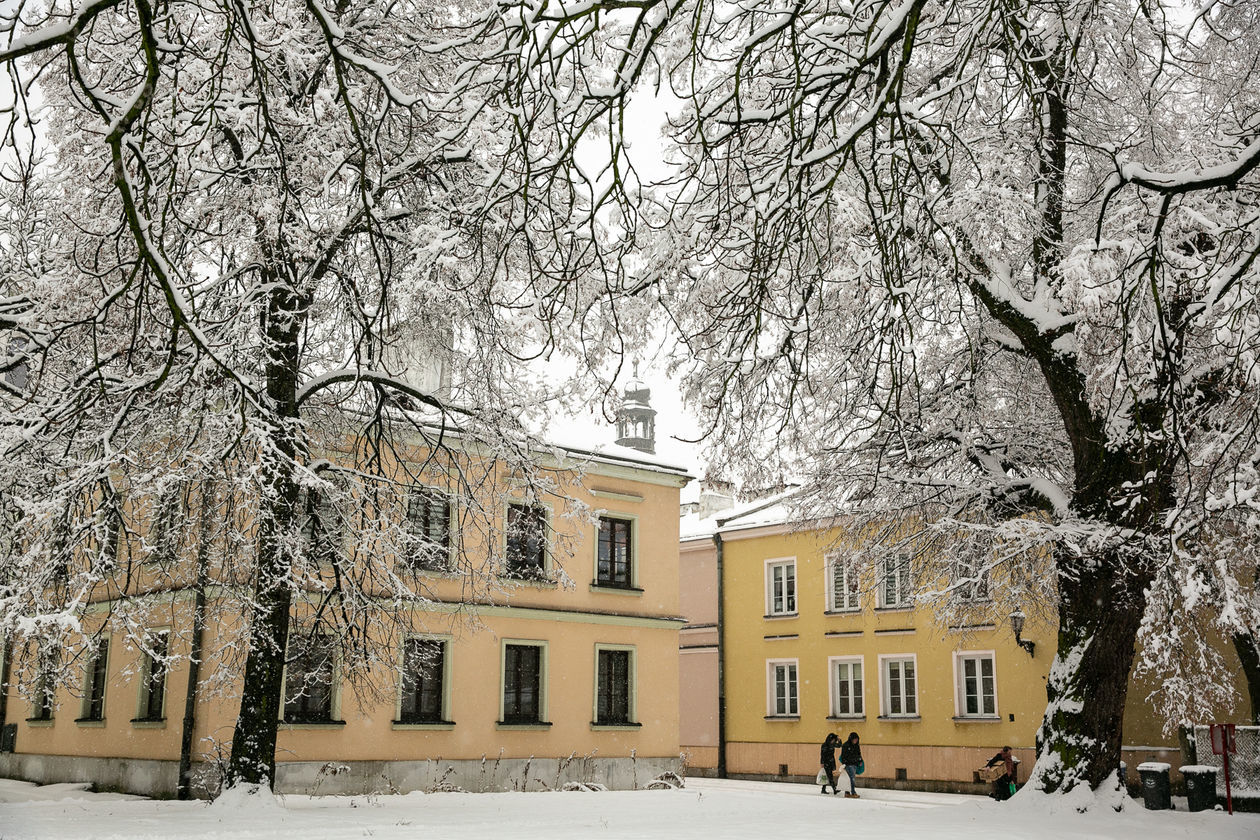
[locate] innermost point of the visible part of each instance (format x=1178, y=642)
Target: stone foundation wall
x=315, y=778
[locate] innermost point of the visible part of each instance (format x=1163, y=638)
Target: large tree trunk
x=253, y=757
x=1248, y=648
x=1100, y=609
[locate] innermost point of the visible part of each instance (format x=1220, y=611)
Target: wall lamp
x=1017, y=625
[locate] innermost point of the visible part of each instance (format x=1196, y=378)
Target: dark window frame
x=525, y=553
x=423, y=697
x=44, y=702
x=614, y=687
x=157, y=646
x=97, y=676
x=316, y=701
x=614, y=559
x=522, y=665
x=432, y=551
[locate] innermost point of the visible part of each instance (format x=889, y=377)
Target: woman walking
x=828, y=760
x=851, y=758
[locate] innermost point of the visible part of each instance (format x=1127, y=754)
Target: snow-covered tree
x=242, y=313
x=985, y=265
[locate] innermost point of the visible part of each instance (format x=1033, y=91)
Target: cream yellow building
x=805, y=644
x=568, y=672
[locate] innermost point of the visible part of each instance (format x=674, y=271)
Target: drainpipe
x=183, y=789
x=721, y=651
x=4, y=680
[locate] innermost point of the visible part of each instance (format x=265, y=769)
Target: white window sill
x=160, y=723
x=613, y=727
x=774, y=616
x=323, y=724
x=977, y=719
x=846, y=717
x=90, y=723
x=541, y=726
x=38, y=723
x=438, y=726
x=783, y=718
x=900, y=718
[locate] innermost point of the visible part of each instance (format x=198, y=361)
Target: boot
x=824, y=790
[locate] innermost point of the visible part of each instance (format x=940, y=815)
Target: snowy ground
x=715, y=810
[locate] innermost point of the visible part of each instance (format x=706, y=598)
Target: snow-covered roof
x=769, y=510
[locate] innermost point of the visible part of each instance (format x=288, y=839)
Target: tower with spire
x=636, y=419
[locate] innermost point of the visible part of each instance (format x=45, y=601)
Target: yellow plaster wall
x=1020, y=678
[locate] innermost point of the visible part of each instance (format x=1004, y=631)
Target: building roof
x=769, y=510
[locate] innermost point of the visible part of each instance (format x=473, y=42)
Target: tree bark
x=253, y=757
x=1248, y=648
x=1100, y=610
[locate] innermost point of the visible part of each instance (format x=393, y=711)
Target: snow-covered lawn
x=710, y=809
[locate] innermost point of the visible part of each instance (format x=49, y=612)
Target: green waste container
x=1200, y=786
x=1156, y=789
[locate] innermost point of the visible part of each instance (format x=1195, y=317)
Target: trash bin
x=1200, y=786
x=1156, y=790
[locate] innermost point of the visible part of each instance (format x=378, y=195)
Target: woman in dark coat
x=851, y=758
x=827, y=758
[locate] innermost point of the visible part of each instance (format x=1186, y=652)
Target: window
x=612, y=565
x=94, y=682
x=429, y=525
x=894, y=586
x=526, y=540
x=900, y=697
x=783, y=689
x=977, y=689
x=45, y=696
x=424, y=667
x=780, y=587
x=153, y=676
x=322, y=523
x=308, y=683
x=165, y=530
x=971, y=577
x=844, y=581
x=613, y=688
x=846, y=688
x=522, y=684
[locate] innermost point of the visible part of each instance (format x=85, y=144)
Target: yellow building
x=806, y=643
x=555, y=662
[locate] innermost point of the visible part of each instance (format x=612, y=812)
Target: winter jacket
x=851, y=753
x=827, y=755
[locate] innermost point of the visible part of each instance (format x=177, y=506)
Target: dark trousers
x=1002, y=788
x=830, y=770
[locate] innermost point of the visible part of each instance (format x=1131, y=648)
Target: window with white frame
x=843, y=581
x=894, y=581
x=900, y=693
x=780, y=587
x=977, y=687
x=783, y=693
x=846, y=687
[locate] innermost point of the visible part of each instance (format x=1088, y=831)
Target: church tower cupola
x=636, y=419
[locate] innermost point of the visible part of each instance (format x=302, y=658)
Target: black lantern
x=1017, y=626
